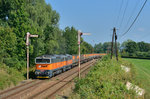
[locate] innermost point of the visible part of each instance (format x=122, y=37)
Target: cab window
x=43, y=61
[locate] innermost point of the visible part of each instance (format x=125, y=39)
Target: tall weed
x=9, y=76
x=106, y=80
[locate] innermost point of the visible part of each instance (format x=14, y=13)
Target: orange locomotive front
x=50, y=65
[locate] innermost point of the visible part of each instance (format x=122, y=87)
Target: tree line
x=128, y=48
x=17, y=17
x=131, y=48
x=105, y=47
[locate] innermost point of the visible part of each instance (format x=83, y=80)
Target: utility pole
x=79, y=41
x=116, y=49
x=27, y=44
x=112, y=43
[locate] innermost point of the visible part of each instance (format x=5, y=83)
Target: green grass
x=9, y=76
x=142, y=67
x=106, y=80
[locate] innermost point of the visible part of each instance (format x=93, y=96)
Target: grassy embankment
x=11, y=76
x=106, y=80
x=142, y=67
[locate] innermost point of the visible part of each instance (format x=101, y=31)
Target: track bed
x=46, y=88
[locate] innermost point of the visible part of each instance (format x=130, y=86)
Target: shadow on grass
x=31, y=75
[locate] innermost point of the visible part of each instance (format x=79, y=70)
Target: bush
x=9, y=76
x=141, y=54
x=106, y=80
x=15, y=63
x=148, y=54
x=137, y=54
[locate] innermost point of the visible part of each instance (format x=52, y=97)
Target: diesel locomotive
x=49, y=65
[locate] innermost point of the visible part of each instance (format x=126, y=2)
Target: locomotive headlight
x=39, y=66
x=37, y=73
x=47, y=72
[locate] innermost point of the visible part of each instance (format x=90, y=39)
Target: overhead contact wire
x=135, y=19
x=119, y=12
x=124, y=13
x=133, y=11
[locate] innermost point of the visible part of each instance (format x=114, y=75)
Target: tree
x=106, y=46
x=7, y=42
x=17, y=19
x=51, y=40
x=143, y=47
x=86, y=48
x=98, y=48
x=70, y=35
x=35, y=16
x=131, y=47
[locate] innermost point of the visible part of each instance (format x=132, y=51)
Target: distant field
x=142, y=67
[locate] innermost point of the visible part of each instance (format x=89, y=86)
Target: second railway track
x=66, y=81
x=39, y=89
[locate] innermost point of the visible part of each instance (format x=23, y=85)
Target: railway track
x=18, y=89
x=52, y=89
x=1, y=93
x=68, y=80
x=44, y=88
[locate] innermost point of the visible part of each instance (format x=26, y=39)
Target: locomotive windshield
x=42, y=60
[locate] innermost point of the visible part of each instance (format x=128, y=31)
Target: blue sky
x=98, y=17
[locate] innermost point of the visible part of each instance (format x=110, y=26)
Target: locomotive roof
x=45, y=56
x=54, y=56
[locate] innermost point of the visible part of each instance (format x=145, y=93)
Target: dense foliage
x=35, y=16
x=106, y=80
x=9, y=76
x=104, y=47
x=130, y=48
x=17, y=17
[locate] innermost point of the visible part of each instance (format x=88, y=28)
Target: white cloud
x=141, y=29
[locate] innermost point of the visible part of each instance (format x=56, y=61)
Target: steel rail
x=58, y=82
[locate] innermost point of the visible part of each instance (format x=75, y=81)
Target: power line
x=133, y=11
x=135, y=19
x=124, y=13
x=119, y=12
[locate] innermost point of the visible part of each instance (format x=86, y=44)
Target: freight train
x=49, y=65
